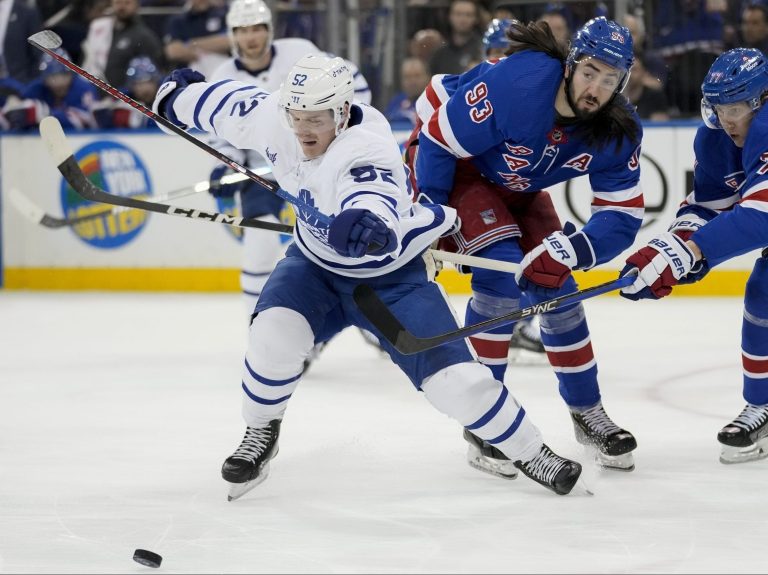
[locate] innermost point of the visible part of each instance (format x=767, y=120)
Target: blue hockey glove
x=546, y=267
x=355, y=233
x=170, y=88
x=219, y=190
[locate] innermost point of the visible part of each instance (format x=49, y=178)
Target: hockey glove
x=546, y=267
x=24, y=114
x=170, y=88
x=355, y=233
x=219, y=190
x=684, y=227
x=658, y=267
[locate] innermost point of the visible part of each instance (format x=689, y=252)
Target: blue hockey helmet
x=607, y=41
x=50, y=65
x=141, y=69
x=496, y=34
x=738, y=75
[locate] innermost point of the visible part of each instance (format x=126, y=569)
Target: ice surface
x=117, y=410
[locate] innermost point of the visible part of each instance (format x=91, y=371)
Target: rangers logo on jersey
x=515, y=163
x=519, y=150
x=488, y=217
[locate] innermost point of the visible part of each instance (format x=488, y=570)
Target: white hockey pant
x=468, y=393
x=261, y=251
x=279, y=341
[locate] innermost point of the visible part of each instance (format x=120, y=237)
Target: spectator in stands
x=654, y=65
x=689, y=36
x=18, y=21
x=142, y=81
x=58, y=93
x=425, y=43
x=197, y=38
x=73, y=28
x=414, y=78
x=503, y=12
x=754, y=26
x=646, y=93
x=9, y=89
x=559, y=26
x=113, y=41
x=495, y=40
x=464, y=41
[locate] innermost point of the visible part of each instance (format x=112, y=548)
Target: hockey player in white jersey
x=261, y=61
x=342, y=160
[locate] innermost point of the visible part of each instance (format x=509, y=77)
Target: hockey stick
x=53, y=135
x=37, y=215
x=48, y=41
x=61, y=152
x=377, y=312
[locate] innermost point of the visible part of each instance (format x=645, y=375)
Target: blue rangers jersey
x=731, y=191
x=362, y=168
x=501, y=115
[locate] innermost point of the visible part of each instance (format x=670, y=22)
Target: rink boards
x=141, y=251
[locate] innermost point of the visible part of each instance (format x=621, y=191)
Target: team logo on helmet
x=738, y=75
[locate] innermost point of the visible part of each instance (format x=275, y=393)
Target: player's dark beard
x=582, y=115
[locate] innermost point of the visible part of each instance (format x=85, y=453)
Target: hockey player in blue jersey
x=492, y=139
x=525, y=347
x=725, y=215
x=56, y=92
x=342, y=159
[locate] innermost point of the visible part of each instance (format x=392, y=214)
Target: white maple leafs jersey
x=362, y=168
x=285, y=53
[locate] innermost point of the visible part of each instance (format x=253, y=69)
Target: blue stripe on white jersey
x=363, y=163
x=410, y=247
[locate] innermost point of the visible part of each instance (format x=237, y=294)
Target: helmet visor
x=715, y=115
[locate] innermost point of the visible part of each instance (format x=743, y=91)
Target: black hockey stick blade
x=60, y=151
x=382, y=318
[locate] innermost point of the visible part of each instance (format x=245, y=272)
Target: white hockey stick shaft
x=477, y=262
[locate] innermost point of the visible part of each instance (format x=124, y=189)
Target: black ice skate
x=249, y=464
x=525, y=347
x=746, y=437
x=551, y=470
x=485, y=457
x=594, y=428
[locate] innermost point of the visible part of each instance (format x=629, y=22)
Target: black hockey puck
x=147, y=558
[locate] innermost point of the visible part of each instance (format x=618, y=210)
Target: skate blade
x=495, y=467
x=581, y=488
x=237, y=490
x=732, y=455
x=624, y=462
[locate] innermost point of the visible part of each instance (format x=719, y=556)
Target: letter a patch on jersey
x=579, y=163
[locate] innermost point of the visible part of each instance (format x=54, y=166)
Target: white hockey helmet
x=318, y=82
x=244, y=13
